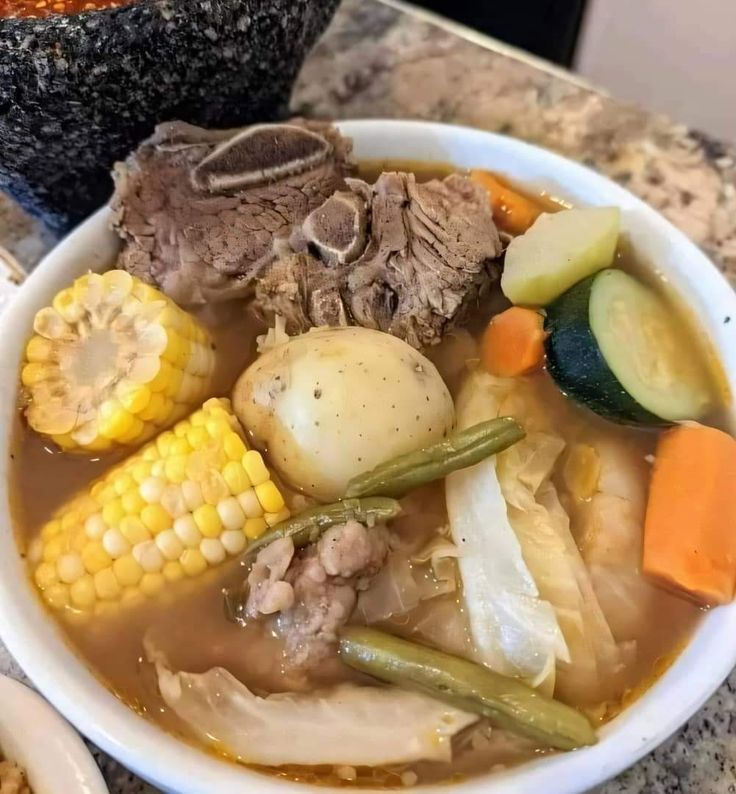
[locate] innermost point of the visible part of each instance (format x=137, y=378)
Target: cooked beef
x=198, y=210
x=400, y=256
x=315, y=590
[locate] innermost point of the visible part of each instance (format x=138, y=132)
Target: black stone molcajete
x=79, y=92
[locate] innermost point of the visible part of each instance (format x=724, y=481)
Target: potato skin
x=335, y=402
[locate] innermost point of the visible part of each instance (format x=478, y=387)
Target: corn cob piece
x=113, y=361
x=186, y=502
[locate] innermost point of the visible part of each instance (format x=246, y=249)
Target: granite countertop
x=380, y=59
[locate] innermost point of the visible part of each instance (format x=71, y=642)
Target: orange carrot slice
x=513, y=343
x=513, y=212
x=690, y=528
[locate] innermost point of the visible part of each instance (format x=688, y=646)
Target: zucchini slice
x=615, y=346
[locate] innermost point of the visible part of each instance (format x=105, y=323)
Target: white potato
x=335, y=402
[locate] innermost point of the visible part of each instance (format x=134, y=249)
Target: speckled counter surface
x=378, y=60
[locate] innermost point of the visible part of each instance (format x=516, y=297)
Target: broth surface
x=192, y=629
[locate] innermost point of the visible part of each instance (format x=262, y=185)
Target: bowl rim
x=180, y=768
x=40, y=740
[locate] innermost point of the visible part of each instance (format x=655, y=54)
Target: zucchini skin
x=575, y=362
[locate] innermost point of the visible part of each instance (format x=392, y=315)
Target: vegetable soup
x=416, y=467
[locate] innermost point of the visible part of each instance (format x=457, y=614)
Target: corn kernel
x=113, y=512
x=155, y=518
x=269, y=496
x=141, y=471
x=57, y=596
x=217, y=428
x=231, y=513
x=69, y=520
x=192, y=493
x=187, y=531
x=95, y=526
x=86, y=505
x=115, y=544
x=169, y=544
x=132, y=597
x=70, y=567
x=127, y=571
x=276, y=518
x=233, y=541
x=155, y=408
x=197, y=437
x=150, y=453
x=180, y=429
x=173, y=385
x=198, y=419
x=53, y=548
x=207, y=520
x=50, y=529
x=113, y=421
x=77, y=540
x=148, y=556
x=107, y=586
x=180, y=446
x=214, y=487
x=33, y=374
x=83, y=593
x=164, y=375
x=234, y=475
x=45, y=575
x=132, y=502
x=135, y=400
x=193, y=562
x=212, y=550
x=39, y=349
x=152, y=583
x=164, y=442
x=94, y=557
x=172, y=501
x=176, y=468
x=122, y=483
x=234, y=446
x=172, y=571
x=250, y=504
x=107, y=494
x=255, y=468
x=133, y=530
x=254, y=527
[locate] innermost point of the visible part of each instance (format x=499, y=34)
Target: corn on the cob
x=184, y=503
x=113, y=361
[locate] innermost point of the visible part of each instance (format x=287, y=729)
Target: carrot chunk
x=513, y=212
x=513, y=343
x=690, y=527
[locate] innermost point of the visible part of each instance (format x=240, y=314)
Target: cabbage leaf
x=514, y=629
x=347, y=724
x=542, y=527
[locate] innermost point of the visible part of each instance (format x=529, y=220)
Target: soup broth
x=192, y=629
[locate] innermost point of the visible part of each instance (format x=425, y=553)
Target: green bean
x=308, y=525
x=506, y=702
x=464, y=448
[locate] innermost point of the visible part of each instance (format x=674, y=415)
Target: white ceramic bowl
x=175, y=767
x=35, y=736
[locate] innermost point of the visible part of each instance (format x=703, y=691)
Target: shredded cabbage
x=348, y=724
